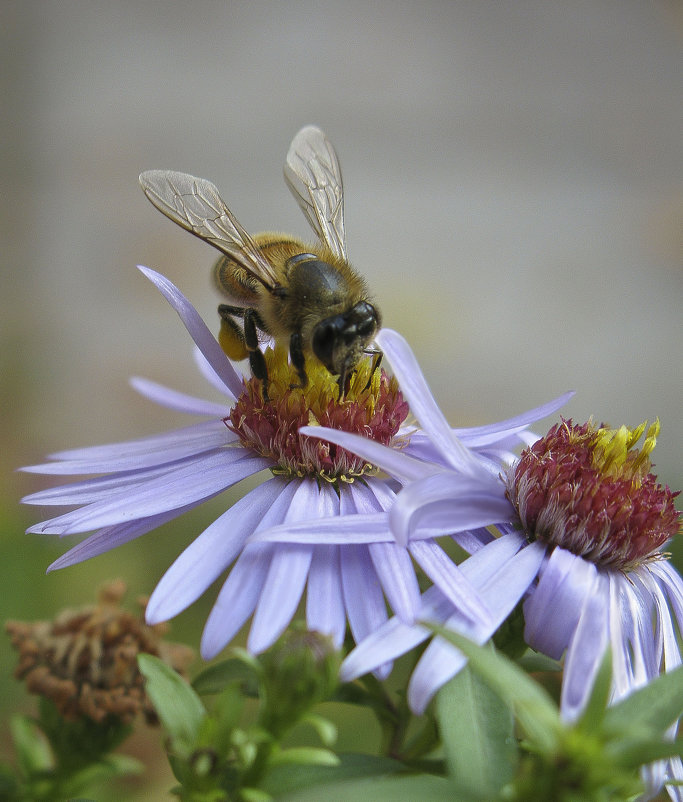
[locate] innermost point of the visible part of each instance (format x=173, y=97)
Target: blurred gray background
x=514, y=195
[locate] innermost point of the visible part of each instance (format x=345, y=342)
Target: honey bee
x=308, y=295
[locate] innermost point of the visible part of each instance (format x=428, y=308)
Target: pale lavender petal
x=388, y=642
x=620, y=627
x=478, y=436
x=389, y=459
x=450, y=580
x=210, y=374
x=173, y=399
x=395, y=638
x=237, y=598
x=441, y=661
x=112, y=536
x=325, y=610
x=198, y=330
x=586, y=649
x=344, y=530
x=397, y=577
x=280, y=596
x=422, y=403
x=452, y=502
x=672, y=585
x=205, y=559
x=383, y=493
x=142, y=453
x=474, y=539
x=287, y=574
x=363, y=597
x=199, y=479
x=656, y=619
x=241, y=590
x=90, y=490
x=564, y=582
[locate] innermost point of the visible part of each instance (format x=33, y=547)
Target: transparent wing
x=313, y=174
x=195, y=205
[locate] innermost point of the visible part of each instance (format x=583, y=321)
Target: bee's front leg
x=296, y=354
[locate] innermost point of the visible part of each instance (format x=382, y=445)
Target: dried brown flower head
x=85, y=661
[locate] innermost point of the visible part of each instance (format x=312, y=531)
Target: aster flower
x=147, y=482
x=582, y=523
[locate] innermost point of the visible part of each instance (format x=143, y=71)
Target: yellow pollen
x=614, y=453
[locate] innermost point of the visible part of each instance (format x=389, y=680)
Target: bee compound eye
x=326, y=337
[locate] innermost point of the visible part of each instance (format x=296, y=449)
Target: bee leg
x=296, y=353
x=240, y=343
x=341, y=383
x=376, y=362
x=257, y=361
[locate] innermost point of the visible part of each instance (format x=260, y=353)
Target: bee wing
x=313, y=175
x=195, y=205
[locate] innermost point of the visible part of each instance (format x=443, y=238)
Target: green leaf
x=404, y=788
x=218, y=726
x=533, y=707
x=655, y=706
x=594, y=713
x=287, y=778
x=477, y=731
x=216, y=677
x=636, y=752
x=180, y=709
x=100, y=773
x=326, y=730
x=310, y=755
x=33, y=751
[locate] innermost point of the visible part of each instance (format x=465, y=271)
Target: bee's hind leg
x=239, y=343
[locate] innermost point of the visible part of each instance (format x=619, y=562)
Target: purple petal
x=346, y=530
x=586, y=650
x=391, y=460
x=441, y=661
x=172, y=399
x=362, y=592
x=210, y=374
x=241, y=591
x=205, y=559
x=90, y=490
x=288, y=571
x=450, y=580
x=281, y=594
x=325, y=611
x=143, y=453
x=237, y=598
x=422, y=403
x=199, y=479
x=551, y=613
x=397, y=578
x=112, y=536
x=198, y=331
x=478, y=436
x=395, y=638
x=450, y=501
x=388, y=642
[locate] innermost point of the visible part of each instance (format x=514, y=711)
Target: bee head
x=339, y=341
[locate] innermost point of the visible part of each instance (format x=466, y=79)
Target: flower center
x=590, y=491
x=372, y=406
